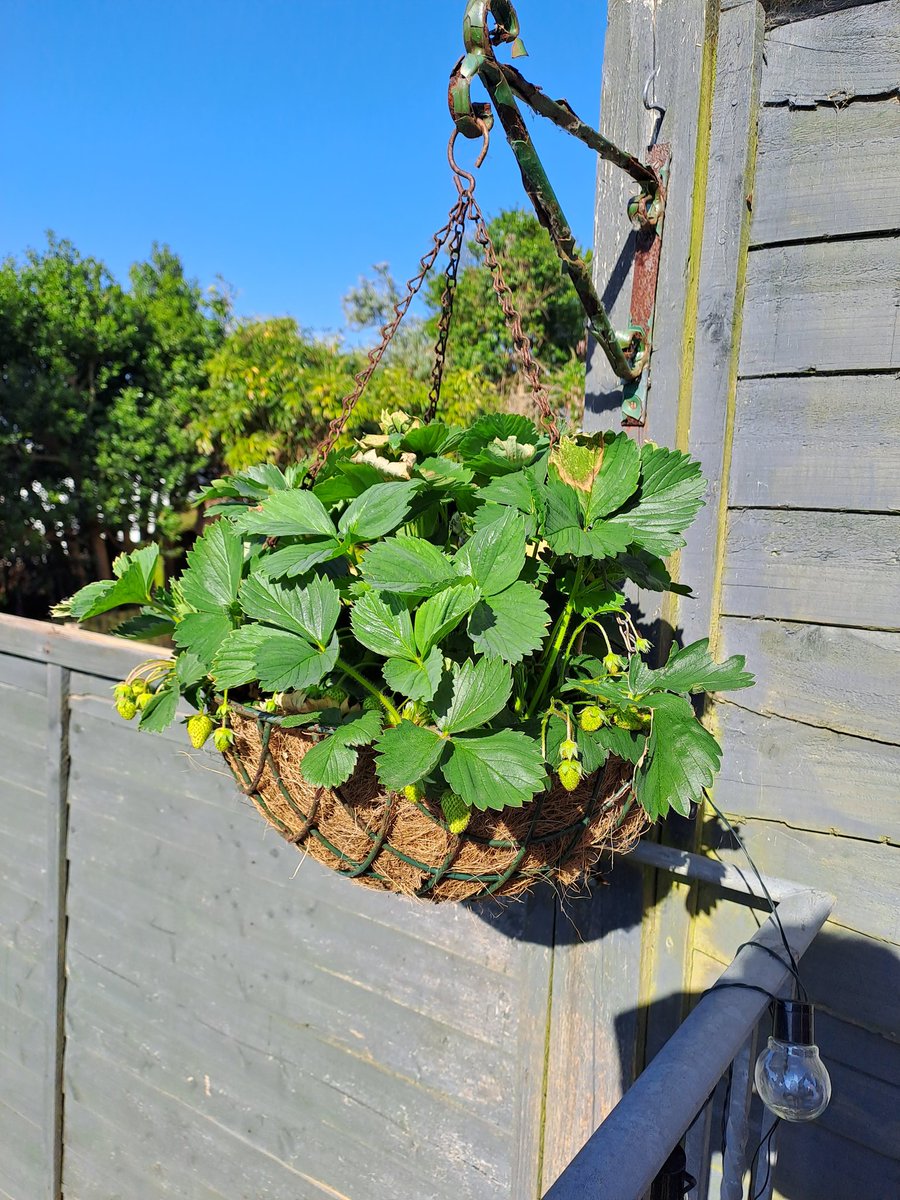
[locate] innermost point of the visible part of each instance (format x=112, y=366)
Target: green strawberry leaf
x=210, y=583
x=416, y=680
x=135, y=574
x=682, y=758
x=510, y=625
x=234, y=663
x=617, y=479
x=145, y=626
x=671, y=493
x=332, y=761
x=440, y=615
x=501, y=770
x=407, y=753
x=296, y=513
x=495, y=555
x=202, y=634
x=377, y=511
x=159, y=712
x=694, y=670
x=407, y=565
x=479, y=691
x=624, y=743
x=312, y=610
x=381, y=622
x=290, y=561
x=285, y=661
x=578, y=462
x=189, y=670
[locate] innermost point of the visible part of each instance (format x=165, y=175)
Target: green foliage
x=97, y=389
x=463, y=602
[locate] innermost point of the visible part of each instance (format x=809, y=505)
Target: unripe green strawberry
x=199, y=727
x=336, y=694
x=568, y=749
x=143, y=700
x=223, y=738
x=591, y=719
x=139, y=687
x=569, y=775
x=123, y=691
x=126, y=708
x=413, y=793
x=371, y=704
x=457, y=813
x=613, y=663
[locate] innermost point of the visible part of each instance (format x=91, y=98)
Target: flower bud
x=223, y=738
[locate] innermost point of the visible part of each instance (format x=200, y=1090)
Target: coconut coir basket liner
x=382, y=840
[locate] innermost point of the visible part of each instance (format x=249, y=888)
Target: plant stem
x=558, y=638
x=382, y=699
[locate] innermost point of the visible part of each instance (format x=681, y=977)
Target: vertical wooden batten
x=57, y=831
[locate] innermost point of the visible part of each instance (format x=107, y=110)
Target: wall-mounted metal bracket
x=648, y=244
x=627, y=352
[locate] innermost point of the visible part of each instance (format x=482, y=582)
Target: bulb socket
x=793, y=1021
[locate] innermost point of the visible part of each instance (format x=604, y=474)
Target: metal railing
x=625, y=1156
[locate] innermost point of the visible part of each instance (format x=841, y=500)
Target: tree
x=97, y=387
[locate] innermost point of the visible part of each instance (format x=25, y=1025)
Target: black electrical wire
x=765, y=1141
x=765, y=890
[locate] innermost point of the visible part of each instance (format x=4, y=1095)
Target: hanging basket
x=382, y=840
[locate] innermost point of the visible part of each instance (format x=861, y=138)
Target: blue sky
x=280, y=149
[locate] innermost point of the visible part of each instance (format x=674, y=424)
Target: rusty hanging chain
x=453, y=231
x=375, y=355
x=446, y=317
x=530, y=368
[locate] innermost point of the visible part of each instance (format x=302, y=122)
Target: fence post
x=55, y=898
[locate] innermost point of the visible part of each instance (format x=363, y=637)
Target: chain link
x=447, y=298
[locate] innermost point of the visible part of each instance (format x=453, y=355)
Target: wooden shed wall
x=786, y=279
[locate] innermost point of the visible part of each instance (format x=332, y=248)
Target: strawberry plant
x=454, y=599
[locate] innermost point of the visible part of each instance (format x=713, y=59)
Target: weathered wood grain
x=23, y=1168
x=864, y=876
x=68, y=646
x=831, y=442
x=719, y=298
x=24, y=674
x=592, y=1049
x=845, y=680
x=807, y=778
x=828, y=306
x=687, y=30
x=826, y=172
x=825, y=568
x=833, y=57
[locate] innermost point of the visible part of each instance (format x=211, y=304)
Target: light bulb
x=791, y=1078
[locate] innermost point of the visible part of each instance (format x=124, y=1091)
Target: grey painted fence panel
x=829, y=59
x=239, y=1022
x=825, y=568
x=826, y=172
x=845, y=680
x=828, y=443
x=828, y=306
x=779, y=770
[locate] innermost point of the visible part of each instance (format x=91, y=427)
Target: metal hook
x=657, y=108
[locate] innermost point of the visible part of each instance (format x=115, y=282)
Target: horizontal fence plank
x=22, y=1167
x=23, y=728
x=846, y=680
x=831, y=58
x=824, y=568
x=830, y=442
x=815, y=176
x=69, y=646
x=863, y=876
x=850, y=977
x=807, y=778
x=842, y=1170
x=24, y=674
x=824, y=306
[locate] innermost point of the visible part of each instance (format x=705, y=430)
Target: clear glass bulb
x=792, y=1081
